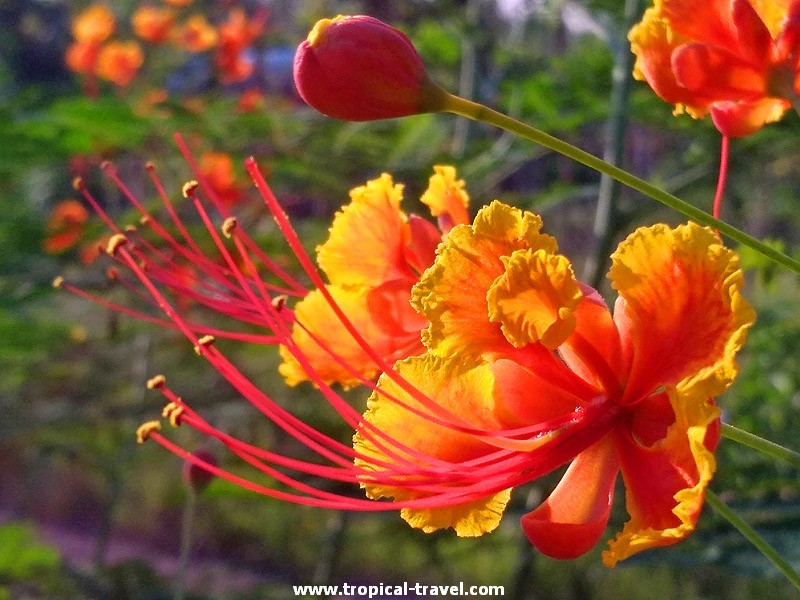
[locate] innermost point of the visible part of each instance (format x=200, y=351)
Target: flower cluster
x=94, y=53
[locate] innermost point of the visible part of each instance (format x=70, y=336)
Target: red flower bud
x=357, y=68
x=196, y=476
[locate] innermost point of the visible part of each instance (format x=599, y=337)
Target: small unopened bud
x=196, y=476
x=358, y=68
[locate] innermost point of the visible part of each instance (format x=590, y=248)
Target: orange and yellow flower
x=527, y=369
x=196, y=35
x=735, y=59
x=236, y=34
x=519, y=369
x=95, y=24
x=119, y=62
x=90, y=29
x=153, y=24
x=374, y=255
x=65, y=227
x=217, y=169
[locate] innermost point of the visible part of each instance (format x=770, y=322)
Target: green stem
x=753, y=537
x=450, y=103
x=755, y=442
x=187, y=530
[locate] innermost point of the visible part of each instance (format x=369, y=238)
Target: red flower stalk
x=357, y=68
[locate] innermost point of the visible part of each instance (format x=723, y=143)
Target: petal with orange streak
x=95, y=24
x=367, y=240
x=710, y=21
x=414, y=449
x=382, y=316
x=666, y=480
x=452, y=292
x=572, y=519
x=739, y=119
x=680, y=311
x=653, y=41
x=446, y=197
x=717, y=73
x=772, y=13
x=594, y=351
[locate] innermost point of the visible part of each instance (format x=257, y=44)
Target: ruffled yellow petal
x=459, y=393
x=446, y=197
x=535, y=298
x=452, y=292
x=468, y=520
x=666, y=482
x=368, y=237
x=382, y=316
x=680, y=311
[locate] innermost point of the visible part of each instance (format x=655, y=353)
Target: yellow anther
x=278, y=302
x=130, y=228
x=156, y=382
x=206, y=340
x=145, y=429
x=228, y=225
x=150, y=165
x=58, y=282
x=172, y=411
x=145, y=220
x=115, y=242
x=77, y=184
x=189, y=187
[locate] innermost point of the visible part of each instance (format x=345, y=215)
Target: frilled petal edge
x=666, y=481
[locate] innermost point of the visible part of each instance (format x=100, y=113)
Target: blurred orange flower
x=153, y=24
x=81, y=57
x=119, y=62
x=734, y=59
x=251, y=100
x=90, y=29
x=95, y=24
x=217, y=168
x=235, y=36
x=196, y=35
x=65, y=227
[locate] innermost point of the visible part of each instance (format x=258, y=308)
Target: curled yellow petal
x=460, y=393
x=452, y=292
x=368, y=237
x=446, y=197
x=535, y=298
x=680, y=310
x=381, y=315
x=472, y=519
